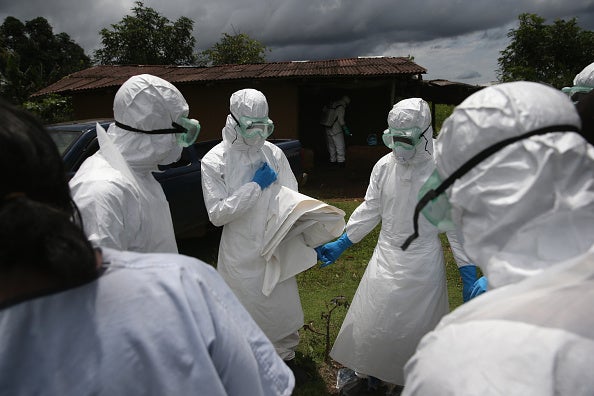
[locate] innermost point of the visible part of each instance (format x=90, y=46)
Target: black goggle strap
x=402, y=139
x=176, y=129
x=407, y=140
x=235, y=118
x=471, y=163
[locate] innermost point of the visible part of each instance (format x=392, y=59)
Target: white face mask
x=172, y=155
x=254, y=141
x=403, y=155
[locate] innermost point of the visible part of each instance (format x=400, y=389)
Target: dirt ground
x=330, y=181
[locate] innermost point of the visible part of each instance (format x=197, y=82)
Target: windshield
x=64, y=139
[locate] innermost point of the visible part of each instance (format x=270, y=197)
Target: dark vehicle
x=181, y=181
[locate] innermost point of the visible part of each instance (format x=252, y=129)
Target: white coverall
x=585, y=78
x=241, y=206
x=334, y=133
x=402, y=295
x=122, y=205
x=527, y=217
x=152, y=324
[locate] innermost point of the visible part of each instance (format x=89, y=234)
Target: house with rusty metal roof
x=296, y=92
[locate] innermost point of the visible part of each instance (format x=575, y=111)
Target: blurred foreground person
x=518, y=179
x=81, y=321
x=123, y=206
x=402, y=295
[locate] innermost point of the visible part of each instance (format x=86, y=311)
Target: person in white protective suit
x=516, y=176
x=335, y=128
x=122, y=204
x=582, y=94
x=582, y=83
x=78, y=320
x=402, y=295
x=240, y=177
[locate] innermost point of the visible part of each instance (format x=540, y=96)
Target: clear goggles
x=406, y=138
x=575, y=93
x=433, y=202
x=438, y=210
x=186, y=130
x=191, y=130
x=251, y=127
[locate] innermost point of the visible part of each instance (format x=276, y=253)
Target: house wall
x=209, y=104
x=294, y=106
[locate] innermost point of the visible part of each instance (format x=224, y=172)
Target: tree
x=32, y=57
x=551, y=54
x=147, y=38
x=236, y=49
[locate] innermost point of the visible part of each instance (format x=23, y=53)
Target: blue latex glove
x=468, y=275
x=346, y=130
x=479, y=287
x=331, y=251
x=264, y=176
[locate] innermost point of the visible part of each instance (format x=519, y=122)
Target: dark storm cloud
x=440, y=34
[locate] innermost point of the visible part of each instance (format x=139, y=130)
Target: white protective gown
x=402, y=295
x=152, y=324
x=527, y=217
x=122, y=204
x=241, y=206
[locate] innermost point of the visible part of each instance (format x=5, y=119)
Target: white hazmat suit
x=122, y=205
x=526, y=213
x=402, y=295
x=334, y=124
x=239, y=204
x=151, y=324
x=583, y=83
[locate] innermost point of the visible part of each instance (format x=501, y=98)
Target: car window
x=64, y=139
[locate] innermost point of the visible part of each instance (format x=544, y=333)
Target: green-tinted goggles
x=191, y=130
x=251, y=126
x=438, y=210
x=185, y=129
x=406, y=138
x=575, y=93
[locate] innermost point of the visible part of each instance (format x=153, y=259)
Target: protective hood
x=147, y=103
x=529, y=205
x=244, y=103
x=585, y=78
x=409, y=113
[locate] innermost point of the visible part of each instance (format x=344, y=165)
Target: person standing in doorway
x=335, y=126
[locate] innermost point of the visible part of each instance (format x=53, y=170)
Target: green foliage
x=551, y=54
x=51, y=108
x=442, y=111
x=32, y=57
x=236, y=49
x=147, y=38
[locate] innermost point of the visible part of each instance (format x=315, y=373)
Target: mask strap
x=471, y=163
x=176, y=129
x=235, y=118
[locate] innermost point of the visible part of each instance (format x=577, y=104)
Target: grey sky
x=458, y=40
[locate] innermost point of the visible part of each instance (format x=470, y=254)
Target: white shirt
x=157, y=324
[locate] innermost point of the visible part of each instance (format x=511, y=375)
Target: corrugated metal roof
x=111, y=76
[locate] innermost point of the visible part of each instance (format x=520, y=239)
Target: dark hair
x=38, y=219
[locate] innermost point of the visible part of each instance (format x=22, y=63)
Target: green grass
x=442, y=111
x=318, y=286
